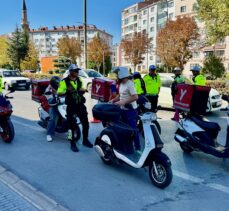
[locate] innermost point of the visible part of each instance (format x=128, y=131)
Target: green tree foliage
x=4, y=60
x=18, y=46
x=31, y=60
x=175, y=40
x=70, y=48
x=215, y=14
x=214, y=66
x=61, y=63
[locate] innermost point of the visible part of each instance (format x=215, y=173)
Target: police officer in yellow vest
x=153, y=84
x=1, y=85
x=72, y=88
x=198, y=79
x=139, y=84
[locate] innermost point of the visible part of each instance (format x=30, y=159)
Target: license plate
x=21, y=84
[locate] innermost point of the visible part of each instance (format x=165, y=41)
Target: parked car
x=13, y=78
x=165, y=98
x=87, y=76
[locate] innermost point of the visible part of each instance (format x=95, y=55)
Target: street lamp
x=85, y=34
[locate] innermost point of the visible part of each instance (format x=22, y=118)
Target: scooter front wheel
x=160, y=172
x=8, y=131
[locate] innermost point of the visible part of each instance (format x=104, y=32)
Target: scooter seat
x=206, y=125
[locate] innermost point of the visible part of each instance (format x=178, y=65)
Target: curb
x=38, y=199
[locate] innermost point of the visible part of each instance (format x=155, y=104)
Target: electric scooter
x=197, y=134
x=117, y=136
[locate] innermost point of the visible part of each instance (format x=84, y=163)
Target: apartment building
x=46, y=39
x=149, y=17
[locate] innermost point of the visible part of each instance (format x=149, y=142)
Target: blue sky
x=105, y=14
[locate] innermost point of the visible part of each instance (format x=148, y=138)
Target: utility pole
x=85, y=34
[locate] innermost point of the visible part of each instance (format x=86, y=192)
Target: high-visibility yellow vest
x=152, y=84
x=179, y=79
x=1, y=85
x=138, y=86
x=199, y=80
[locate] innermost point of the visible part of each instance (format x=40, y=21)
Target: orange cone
x=95, y=120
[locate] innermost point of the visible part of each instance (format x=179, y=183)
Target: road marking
x=176, y=173
x=191, y=178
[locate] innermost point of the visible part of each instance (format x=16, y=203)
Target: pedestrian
x=179, y=79
x=72, y=87
x=198, y=79
x=51, y=95
x=126, y=99
x=152, y=84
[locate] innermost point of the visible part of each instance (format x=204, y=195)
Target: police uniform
x=199, y=80
x=152, y=84
x=75, y=105
x=139, y=85
x=179, y=79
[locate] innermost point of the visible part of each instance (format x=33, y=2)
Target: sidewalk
x=9, y=200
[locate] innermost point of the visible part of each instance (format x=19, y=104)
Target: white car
x=165, y=97
x=13, y=78
x=87, y=76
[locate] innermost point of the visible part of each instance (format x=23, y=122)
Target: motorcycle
x=197, y=134
x=62, y=126
x=6, y=126
x=117, y=136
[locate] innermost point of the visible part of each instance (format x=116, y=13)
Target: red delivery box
x=38, y=88
x=192, y=98
x=101, y=89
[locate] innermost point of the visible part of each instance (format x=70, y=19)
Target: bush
x=33, y=76
x=220, y=85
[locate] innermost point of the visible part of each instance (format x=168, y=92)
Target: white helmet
x=122, y=72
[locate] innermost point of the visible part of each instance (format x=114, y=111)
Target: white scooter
x=117, y=136
x=62, y=126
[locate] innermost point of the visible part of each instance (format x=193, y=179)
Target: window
x=219, y=53
x=195, y=54
x=144, y=12
x=170, y=16
x=151, y=58
x=171, y=4
x=152, y=19
x=144, y=22
x=151, y=29
x=183, y=9
x=152, y=9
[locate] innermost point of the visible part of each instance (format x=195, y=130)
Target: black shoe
x=74, y=148
x=88, y=144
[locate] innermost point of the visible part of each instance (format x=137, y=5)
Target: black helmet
x=54, y=82
x=136, y=75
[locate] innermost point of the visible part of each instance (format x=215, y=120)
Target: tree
x=4, y=59
x=98, y=50
x=70, y=47
x=214, y=66
x=31, y=60
x=61, y=63
x=175, y=41
x=18, y=47
x=214, y=13
x=135, y=47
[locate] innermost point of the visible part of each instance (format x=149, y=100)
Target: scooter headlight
x=147, y=105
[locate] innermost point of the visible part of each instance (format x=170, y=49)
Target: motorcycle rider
x=72, y=87
x=179, y=79
x=153, y=84
x=198, y=79
x=50, y=93
x=127, y=96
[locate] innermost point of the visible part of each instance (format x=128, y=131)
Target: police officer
x=139, y=84
x=72, y=87
x=179, y=79
x=198, y=79
x=1, y=85
x=153, y=84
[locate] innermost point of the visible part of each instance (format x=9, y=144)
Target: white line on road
x=176, y=173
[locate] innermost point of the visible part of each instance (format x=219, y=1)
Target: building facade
x=150, y=16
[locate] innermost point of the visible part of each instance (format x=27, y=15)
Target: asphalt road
x=80, y=181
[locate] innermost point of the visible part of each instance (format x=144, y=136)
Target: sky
x=105, y=14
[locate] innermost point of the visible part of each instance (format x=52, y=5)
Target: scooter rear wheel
x=160, y=172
